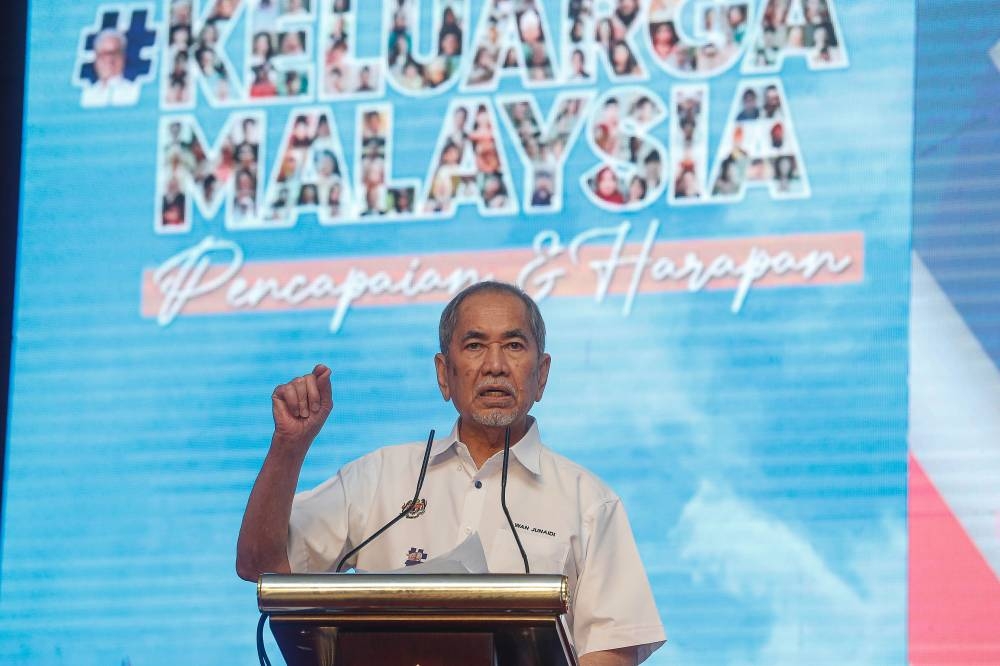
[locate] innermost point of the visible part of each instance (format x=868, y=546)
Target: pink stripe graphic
x=669, y=267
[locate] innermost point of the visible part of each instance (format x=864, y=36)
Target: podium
x=418, y=620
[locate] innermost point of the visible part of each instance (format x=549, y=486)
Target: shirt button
x=468, y=530
x=479, y=484
x=460, y=468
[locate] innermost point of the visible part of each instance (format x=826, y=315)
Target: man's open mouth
x=495, y=392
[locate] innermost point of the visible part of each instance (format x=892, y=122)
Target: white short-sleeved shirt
x=569, y=522
x=117, y=91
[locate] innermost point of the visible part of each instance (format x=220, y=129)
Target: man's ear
x=441, y=366
x=543, y=375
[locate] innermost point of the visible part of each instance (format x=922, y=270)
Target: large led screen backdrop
x=711, y=201
x=954, y=491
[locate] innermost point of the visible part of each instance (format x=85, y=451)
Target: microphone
x=406, y=507
x=503, y=499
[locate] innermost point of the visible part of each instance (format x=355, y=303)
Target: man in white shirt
x=493, y=368
x=111, y=88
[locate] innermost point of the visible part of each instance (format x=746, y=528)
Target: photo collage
x=470, y=165
x=689, y=140
x=543, y=149
x=344, y=74
x=278, y=64
x=377, y=197
x=190, y=166
x=612, y=34
x=405, y=68
x=632, y=173
x=716, y=43
x=807, y=28
x=515, y=34
x=198, y=54
x=761, y=148
x=310, y=177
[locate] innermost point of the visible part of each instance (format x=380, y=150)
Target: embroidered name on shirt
x=534, y=530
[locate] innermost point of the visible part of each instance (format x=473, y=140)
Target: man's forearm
x=261, y=547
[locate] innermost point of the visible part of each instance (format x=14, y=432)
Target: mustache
x=498, y=383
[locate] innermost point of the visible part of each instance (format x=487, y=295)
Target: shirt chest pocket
x=546, y=554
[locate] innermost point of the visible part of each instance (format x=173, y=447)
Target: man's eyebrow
x=473, y=335
x=506, y=335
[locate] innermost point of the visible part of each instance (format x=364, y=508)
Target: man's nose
x=495, y=362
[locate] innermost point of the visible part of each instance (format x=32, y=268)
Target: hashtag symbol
x=134, y=24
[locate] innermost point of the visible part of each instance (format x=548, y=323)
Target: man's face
x=493, y=372
x=110, y=61
x=771, y=99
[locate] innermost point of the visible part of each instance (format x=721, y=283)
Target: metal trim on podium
x=410, y=619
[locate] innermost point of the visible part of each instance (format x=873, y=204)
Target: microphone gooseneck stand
x=261, y=652
x=503, y=499
x=406, y=507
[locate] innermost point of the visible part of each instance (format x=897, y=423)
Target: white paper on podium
x=467, y=557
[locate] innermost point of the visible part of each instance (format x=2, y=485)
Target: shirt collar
x=528, y=450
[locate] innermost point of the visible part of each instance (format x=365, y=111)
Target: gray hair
x=112, y=33
x=449, y=317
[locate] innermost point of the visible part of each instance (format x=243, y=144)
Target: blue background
x=761, y=456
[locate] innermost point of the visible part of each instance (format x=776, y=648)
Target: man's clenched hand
x=300, y=409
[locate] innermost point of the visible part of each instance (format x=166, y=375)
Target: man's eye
x=516, y=346
x=474, y=346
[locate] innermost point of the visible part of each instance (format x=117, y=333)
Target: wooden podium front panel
x=513, y=640
x=357, y=648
